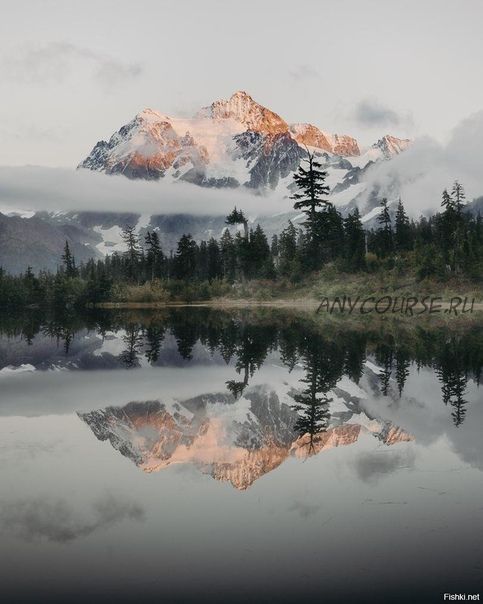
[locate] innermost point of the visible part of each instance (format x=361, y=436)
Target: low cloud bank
x=32, y=188
x=420, y=174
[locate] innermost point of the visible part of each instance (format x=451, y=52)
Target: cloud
x=55, y=62
x=370, y=113
x=62, y=189
x=420, y=174
x=305, y=509
x=370, y=467
x=304, y=72
x=58, y=521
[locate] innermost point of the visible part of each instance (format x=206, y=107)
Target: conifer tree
x=274, y=246
x=185, y=258
x=384, y=232
x=330, y=234
x=453, y=227
x=355, y=249
x=458, y=196
x=202, y=261
x=133, y=253
x=214, y=264
x=237, y=217
x=68, y=261
x=287, y=248
x=310, y=198
x=228, y=255
x=259, y=254
x=154, y=255
x=311, y=187
x=402, y=235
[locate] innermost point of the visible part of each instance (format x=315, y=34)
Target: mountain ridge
x=232, y=142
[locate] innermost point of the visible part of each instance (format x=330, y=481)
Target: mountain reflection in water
x=247, y=340
x=353, y=448
x=235, y=441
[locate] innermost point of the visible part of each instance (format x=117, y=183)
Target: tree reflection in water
x=245, y=339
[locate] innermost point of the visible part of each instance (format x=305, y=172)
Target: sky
x=71, y=73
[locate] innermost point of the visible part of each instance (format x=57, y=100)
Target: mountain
x=235, y=441
x=231, y=143
x=243, y=109
x=38, y=243
x=307, y=134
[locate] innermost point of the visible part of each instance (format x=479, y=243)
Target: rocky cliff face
x=390, y=146
x=233, y=142
x=311, y=136
x=146, y=148
x=242, y=108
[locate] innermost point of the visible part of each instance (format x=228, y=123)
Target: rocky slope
x=38, y=243
x=231, y=143
x=307, y=134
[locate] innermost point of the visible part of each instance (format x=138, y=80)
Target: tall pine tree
x=311, y=199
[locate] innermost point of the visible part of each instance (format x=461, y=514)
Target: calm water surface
x=194, y=456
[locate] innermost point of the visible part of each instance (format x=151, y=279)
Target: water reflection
x=245, y=341
x=234, y=441
x=364, y=436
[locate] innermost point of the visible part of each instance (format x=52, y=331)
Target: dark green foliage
x=154, y=257
x=310, y=198
x=228, y=256
x=68, y=261
x=133, y=255
x=384, y=234
x=287, y=250
x=311, y=187
x=184, y=266
x=403, y=232
x=237, y=217
x=355, y=242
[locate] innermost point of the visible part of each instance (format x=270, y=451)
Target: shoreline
x=302, y=304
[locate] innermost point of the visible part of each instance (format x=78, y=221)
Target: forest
x=439, y=247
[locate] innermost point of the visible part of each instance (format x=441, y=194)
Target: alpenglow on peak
x=232, y=142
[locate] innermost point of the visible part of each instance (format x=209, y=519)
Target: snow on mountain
x=242, y=108
x=385, y=149
x=145, y=148
x=391, y=146
x=307, y=134
x=231, y=143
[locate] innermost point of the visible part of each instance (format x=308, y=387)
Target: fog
x=63, y=189
x=427, y=167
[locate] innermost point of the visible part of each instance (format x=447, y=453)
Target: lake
x=195, y=454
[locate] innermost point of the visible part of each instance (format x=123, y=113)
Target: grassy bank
x=327, y=283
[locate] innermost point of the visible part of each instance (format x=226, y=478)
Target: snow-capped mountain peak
x=235, y=142
x=391, y=145
x=242, y=108
x=310, y=135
